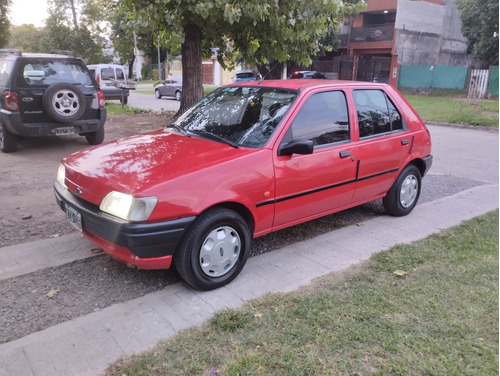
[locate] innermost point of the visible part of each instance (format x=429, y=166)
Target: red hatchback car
x=248, y=159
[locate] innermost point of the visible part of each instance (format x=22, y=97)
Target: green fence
x=432, y=76
x=493, y=81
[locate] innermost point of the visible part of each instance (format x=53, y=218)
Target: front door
x=309, y=186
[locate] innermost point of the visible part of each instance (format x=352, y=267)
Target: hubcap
x=65, y=102
x=409, y=191
x=220, y=251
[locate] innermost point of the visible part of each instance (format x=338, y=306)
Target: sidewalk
x=86, y=345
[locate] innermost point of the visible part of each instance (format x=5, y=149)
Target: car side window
x=323, y=119
x=376, y=113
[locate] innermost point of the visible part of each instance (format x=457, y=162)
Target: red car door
x=311, y=185
x=384, y=143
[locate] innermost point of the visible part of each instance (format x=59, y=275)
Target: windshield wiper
x=214, y=136
x=179, y=129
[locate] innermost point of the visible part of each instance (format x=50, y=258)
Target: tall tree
x=4, y=22
x=258, y=30
x=75, y=25
x=480, y=27
x=26, y=38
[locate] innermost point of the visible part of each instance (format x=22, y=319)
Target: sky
x=28, y=12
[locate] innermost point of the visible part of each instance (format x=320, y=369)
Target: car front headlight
x=128, y=207
x=61, y=175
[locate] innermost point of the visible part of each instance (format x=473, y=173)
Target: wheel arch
x=241, y=210
x=420, y=164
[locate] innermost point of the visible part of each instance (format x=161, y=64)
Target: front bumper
x=142, y=245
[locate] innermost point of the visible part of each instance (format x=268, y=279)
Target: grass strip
x=428, y=308
x=455, y=110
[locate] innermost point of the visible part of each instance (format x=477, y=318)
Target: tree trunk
x=192, y=83
x=131, y=67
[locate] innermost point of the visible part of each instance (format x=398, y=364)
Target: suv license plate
x=64, y=130
x=74, y=217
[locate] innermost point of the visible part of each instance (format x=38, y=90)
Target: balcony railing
x=372, y=33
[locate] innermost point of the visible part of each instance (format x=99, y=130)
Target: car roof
x=307, y=83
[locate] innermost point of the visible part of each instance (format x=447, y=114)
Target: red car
x=248, y=159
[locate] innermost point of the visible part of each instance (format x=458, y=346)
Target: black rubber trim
x=333, y=186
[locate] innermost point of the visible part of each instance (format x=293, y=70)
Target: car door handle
x=405, y=142
x=345, y=154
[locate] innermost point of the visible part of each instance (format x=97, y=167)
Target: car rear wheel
x=64, y=102
x=404, y=193
x=178, y=95
x=8, y=141
x=95, y=138
x=214, y=250
x=157, y=94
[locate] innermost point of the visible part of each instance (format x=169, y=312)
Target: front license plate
x=74, y=217
x=64, y=131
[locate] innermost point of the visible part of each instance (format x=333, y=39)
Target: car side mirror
x=298, y=146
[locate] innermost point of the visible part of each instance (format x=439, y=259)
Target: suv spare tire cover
x=64, y=102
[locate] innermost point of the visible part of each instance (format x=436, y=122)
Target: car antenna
x=268, y=73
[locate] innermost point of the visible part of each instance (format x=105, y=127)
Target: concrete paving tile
x=14, y=363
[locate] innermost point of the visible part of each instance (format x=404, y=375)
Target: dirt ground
x=28, y=210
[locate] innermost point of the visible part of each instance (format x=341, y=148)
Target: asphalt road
x=149, y=102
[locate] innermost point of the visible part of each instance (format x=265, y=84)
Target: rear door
x=384, y=142
x=308, y=186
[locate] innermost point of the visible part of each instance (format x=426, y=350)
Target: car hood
x=133, y=164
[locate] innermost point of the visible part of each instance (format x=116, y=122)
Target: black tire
x=223, y=232
x=157, y=94
x=64, y=102
x=8, y=141
x=178, y=95
x=95, y=138
x=404, y=193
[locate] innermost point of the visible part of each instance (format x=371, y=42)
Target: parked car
x=48, y=95
x=248, y=159
x=112, y=80
x=307, y=75
x=171, y=87
x=245, y=75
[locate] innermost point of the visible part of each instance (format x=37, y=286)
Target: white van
x=106, y=76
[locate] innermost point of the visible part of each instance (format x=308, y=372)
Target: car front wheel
x=404, y=193
x=214, y=250
x=157, y=94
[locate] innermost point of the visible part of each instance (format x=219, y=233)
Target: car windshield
x=239, y=115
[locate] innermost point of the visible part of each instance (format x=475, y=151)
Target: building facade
x=392, y=33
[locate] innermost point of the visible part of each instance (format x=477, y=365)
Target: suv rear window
x=44, y=73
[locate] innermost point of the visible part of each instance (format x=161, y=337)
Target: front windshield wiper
x=178, y=128
x=214, y=136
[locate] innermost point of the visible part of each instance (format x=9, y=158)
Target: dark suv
x=48, y=95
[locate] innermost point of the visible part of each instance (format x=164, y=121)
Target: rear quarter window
x=5, y=69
